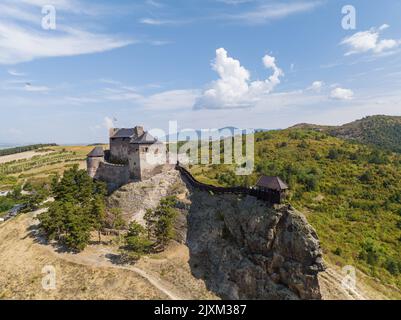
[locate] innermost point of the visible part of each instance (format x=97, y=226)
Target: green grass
x=349, y=192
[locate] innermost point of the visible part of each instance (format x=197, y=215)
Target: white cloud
x=15, y=73
x=22, y=38
x=81, y=100
x=316, y=86
x=153, y=22
x=234, y=2
x=341, y=94
x=234, y=88
x=108, y=122
x=31, y=88
x=171, y=100
x=274, y=11
x=159, y=43
x=165, y=100
x=369, y=41
x=160, y=22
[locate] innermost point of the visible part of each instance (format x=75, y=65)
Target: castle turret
x=112, y=132
x=95, y=157
x=138, y=130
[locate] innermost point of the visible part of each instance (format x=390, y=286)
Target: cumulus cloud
x=316, y=86
x=341, y=94
x=369, y=41
x=234, y=89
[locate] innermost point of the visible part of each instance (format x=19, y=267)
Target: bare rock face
x=240, y=247
x=134, y=198
x=247, y=250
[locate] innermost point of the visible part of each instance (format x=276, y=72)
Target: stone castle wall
x=119, y=150
x=114, y=175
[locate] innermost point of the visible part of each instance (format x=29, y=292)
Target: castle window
x=146, y=149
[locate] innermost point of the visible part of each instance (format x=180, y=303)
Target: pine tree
x=78, y=209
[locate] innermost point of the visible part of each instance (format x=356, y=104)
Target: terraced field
x=38, y=166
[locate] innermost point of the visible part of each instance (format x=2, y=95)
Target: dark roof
x=96, y=152
x=145, y=138
x=123, y=133
x=273, y=183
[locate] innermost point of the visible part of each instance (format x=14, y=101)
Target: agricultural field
x=36, y=166
x=33, y=170
x=350, y=193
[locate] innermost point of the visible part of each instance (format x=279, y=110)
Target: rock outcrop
x=245, y=249
x=241, y=247
x=134, y=198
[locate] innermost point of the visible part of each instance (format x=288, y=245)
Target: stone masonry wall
x=114, y=175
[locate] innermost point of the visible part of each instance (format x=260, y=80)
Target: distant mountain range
x=225, y=132
x=7, y=145
x=379, y=130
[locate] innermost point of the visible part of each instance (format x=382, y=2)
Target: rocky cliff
x=241, y=247
x=245, y=249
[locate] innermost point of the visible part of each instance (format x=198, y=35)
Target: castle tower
x=95, y=157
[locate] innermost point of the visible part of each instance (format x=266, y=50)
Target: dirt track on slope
x=90, y=274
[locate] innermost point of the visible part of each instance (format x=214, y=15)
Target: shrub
x=333, y=154
x=366, y=177
x=338, y=252
x=136, y=242
x=371, y=252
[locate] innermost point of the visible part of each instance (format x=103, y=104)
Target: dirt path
x=96, y=256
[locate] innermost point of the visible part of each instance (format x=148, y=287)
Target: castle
x=134, y=155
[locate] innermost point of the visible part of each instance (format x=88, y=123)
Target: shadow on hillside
x=198, y=263
x=40, y=238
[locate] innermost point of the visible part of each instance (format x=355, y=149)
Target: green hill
x=381, y=131
x=351, y=194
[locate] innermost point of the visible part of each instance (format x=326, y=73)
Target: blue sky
x=203, y=63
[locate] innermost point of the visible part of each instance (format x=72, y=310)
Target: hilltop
x=379, y=130
x=350, y=193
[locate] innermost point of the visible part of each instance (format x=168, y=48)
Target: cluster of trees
x=8, y=151
x=380, y=131
x=6, y=203
x=374, y=254
x=31, y=201
x=158, y=232
x=79, y=208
